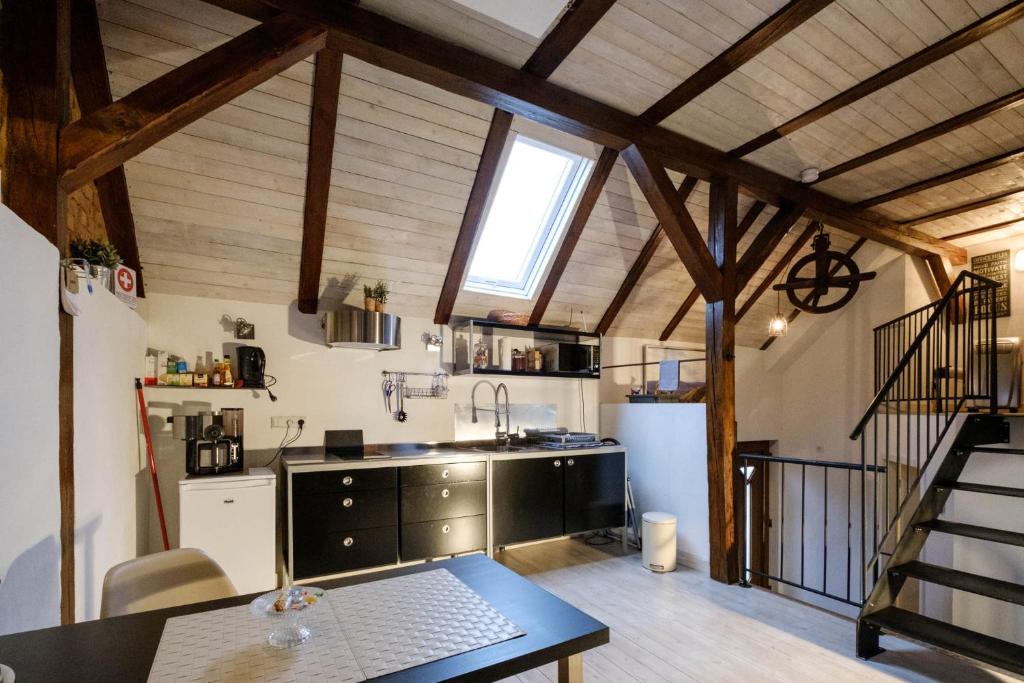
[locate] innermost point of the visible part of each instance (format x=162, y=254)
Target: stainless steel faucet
x=500, y=437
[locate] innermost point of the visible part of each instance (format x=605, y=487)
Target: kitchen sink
x=493, y=448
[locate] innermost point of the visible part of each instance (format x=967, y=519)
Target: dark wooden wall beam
x=34, y=56
x=748, y=220
x=959, y=39
x=854, y=248
x=948, y=177
x=1011, y=101
x=735, y=56
x=720, y=354
x=640, y=263
x=574, y=25
x=322, y=122
x=777, y=269
x=598, y=177
x=940, y=274
x=676, y=221
x=392, y=46
x=92, y=87
x=765, y=242
x=486, y=174
x=985, y=229
x=990, y=200
x=105, y=139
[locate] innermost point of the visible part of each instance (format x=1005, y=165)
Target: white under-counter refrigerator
x=231, y=518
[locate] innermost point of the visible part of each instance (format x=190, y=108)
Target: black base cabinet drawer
x=327, y=512
x=443, y=537
x=319, y=554
x=450, y=473
x=443, y=501
x=336, y=481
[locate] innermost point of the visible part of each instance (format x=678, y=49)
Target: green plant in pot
x=101, y=256
x=369, y=302
x=380, y=294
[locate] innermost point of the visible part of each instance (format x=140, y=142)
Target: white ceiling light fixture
x=533, y=17
x=809, y=175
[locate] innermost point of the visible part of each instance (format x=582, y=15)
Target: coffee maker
x=213, y=441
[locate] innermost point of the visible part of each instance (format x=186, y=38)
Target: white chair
x=167, y=579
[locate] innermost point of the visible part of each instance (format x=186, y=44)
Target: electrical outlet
x=281, y=421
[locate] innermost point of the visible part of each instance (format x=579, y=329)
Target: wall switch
x=281, y=421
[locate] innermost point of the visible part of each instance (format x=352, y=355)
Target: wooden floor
x=683, y=626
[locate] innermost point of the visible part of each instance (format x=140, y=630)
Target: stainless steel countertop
x=407, y=453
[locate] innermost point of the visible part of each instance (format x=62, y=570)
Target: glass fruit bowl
x=288, y=606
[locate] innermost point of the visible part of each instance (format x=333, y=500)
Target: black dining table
x=123, y=648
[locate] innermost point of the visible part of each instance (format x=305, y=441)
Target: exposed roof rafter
x=572, y=27
x=1002, y=225
x=959, y=39
x=777, y=269
x=764, y=244
x=733, y=57
x=991, y=199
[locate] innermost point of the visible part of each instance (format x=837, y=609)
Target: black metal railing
x=937, y=361
x=929, y=365
x=806, y=558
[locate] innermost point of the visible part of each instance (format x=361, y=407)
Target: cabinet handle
x=445, y=474
x=445, y=493
x=445, y=529
x=229, y=500
x=570, y=462
x=348, y=541
x=558, y=463
x=347, y=502
x=347, y=480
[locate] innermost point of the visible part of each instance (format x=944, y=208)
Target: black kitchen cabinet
x=425, y=540
x=527, y=499
x=595, y=491
x=318, y=553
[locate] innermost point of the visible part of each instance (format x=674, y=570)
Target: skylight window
x=537, y=192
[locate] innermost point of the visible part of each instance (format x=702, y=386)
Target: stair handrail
x=915, y=345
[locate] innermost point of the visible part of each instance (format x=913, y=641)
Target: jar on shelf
x=518, y=361
x=481, y=356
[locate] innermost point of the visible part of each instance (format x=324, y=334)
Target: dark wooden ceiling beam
x=854, y=248
x=776, y=270
x=940, y=274
x=984, y=229
x=92, y=88
x=990, y=200
x=572, y=27
x=679, y=227
x=984, y=26
x=323, y=119
x=638, y=266
x=735, y=56
x=948, y=177
x=390, y=45
x=1011, y=101
x=105, y=139
x=591, y=193
x=765, y=242
x=472, y=218
x=748, y=220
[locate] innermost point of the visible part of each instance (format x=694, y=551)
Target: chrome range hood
x=355, y=328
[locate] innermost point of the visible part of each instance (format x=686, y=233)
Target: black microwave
x=566, y=357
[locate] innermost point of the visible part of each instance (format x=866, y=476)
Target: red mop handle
x=152, y=463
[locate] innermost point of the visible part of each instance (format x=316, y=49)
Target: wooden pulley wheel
x=823, y=281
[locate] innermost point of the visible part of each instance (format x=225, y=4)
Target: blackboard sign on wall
x=995, y=266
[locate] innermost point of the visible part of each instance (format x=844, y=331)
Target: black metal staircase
x=946, y=365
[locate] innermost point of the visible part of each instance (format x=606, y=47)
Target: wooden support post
x=720, y=351
x=34, y=60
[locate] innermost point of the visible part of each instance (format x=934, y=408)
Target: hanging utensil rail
x=400, y=381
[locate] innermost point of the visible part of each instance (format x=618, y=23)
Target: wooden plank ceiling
x=219, y=206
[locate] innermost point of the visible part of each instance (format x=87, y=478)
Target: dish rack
x=438, y=384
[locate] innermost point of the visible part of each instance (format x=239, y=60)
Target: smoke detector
x=809, y=175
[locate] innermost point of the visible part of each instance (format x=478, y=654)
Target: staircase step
x=972, y=531
x=1000, y=653
x=993, y=449
x=954, y=578
x=983, y=488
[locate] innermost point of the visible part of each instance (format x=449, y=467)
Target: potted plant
x=101, y=256
x=380, y=294
x=369, y=302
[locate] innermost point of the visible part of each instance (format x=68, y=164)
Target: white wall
x=110, y=344
x=329, y=388
x=29, y=489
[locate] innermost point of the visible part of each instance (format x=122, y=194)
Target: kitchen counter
x=311, y=458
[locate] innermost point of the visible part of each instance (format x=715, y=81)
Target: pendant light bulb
x=778, y=326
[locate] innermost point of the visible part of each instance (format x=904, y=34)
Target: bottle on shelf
x=226, y=377
x=216, y=377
